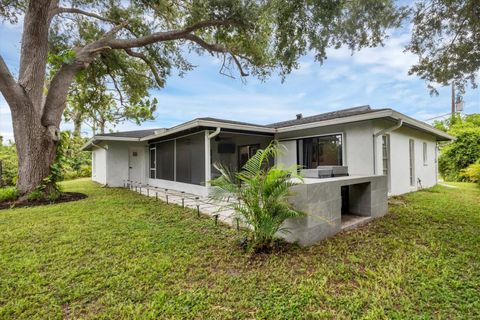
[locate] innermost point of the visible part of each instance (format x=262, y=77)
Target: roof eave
x=335, y=121
x=209, y=123
x=91, y=142
x=439, y=134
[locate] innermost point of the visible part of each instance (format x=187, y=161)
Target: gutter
x=380, y=133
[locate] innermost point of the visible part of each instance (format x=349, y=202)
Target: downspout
x=380, y=133
x=208, y=160
x=214, y=133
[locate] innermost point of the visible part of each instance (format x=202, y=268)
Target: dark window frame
x=302, y=162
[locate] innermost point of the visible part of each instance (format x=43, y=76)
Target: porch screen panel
x=190, y=160
x=165, y=160
x=320, y=151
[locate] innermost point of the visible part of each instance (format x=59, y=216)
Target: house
x=383, y=151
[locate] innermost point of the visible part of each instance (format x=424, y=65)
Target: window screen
x=165, y=160
x=320, y=151
x=190, y=160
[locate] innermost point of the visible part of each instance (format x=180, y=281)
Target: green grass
x=118, y=255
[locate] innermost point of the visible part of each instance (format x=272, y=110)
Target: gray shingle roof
x=231, y=121
x=326, y=116
x=319, y=117
x=129, y=134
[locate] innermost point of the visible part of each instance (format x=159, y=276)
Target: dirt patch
x=64, y=197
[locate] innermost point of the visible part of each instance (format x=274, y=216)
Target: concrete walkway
x=207, y=206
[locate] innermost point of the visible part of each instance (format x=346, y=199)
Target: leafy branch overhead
x=446, y=38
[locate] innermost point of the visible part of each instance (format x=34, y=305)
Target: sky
x=375, y=76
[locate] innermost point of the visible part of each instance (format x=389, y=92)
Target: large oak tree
x=252, y=38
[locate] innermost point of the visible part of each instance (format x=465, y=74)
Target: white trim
x=209, y=123
x=421, y=125
x=314, y=136
x=208, y=165
x=323, y=123
x=179, y=137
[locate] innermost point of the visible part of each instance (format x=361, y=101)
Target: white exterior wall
x=357, y=145
x=117, y=159
x=400, y=160
x=99, y=165
x=111, y=163
x=359, y=156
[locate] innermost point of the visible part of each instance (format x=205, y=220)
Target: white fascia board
x=423, y=126
x=108, y=138
x=208, y=123
x=91, y=141
x=87, y=144
x=324, y=123
x=179, y=128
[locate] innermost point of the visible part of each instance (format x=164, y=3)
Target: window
x=425, y=154
x=320, y=151
x=411, y=152
x=245, y=153
x=385, y=153
x=152, y=163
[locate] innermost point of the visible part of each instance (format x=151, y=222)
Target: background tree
x=458, y=155
x=8, y=158
x=96, y=102
x=255, y=37
x=446, y=38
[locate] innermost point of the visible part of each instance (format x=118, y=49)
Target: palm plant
x=261, y=191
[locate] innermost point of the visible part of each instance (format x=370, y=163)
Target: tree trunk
x=102, y=127
x=36, y=149
x=77, y=126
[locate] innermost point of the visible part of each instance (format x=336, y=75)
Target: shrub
x=8, y=157
x=8, y=193
x=262, y=190
x=459, y=154
x=472, y=173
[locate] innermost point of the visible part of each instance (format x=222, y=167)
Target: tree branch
x=165, y=35
x=60, y=10
x=10, y=89
x=145, y=59
x=216, y=48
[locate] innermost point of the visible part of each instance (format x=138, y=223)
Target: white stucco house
x=376, y=153
x=368, y=141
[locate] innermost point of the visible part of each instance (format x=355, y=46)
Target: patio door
x=245, y=153
x=135, y=165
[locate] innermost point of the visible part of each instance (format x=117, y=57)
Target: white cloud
x=389, y=59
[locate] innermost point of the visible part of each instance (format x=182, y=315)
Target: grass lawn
x=118, y=254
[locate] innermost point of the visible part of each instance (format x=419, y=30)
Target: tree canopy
x=446, y=38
